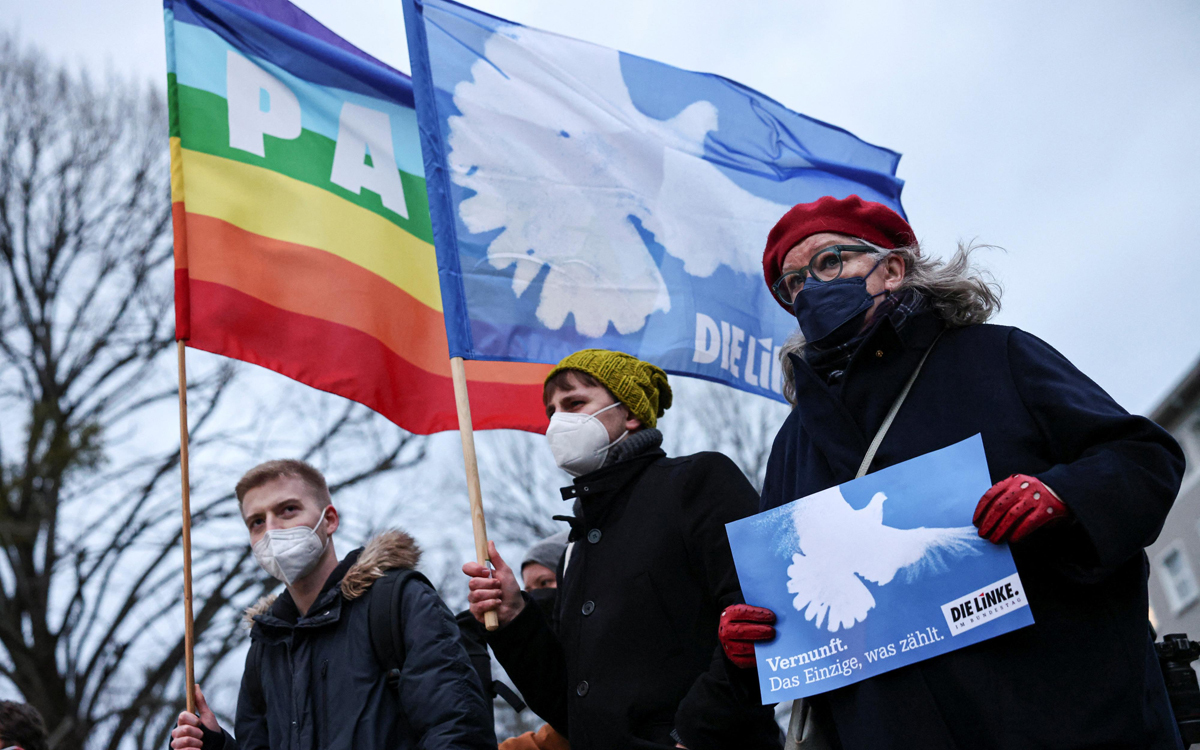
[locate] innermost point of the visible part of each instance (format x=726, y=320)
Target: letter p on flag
x=249, y=121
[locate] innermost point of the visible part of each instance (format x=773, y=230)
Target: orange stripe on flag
x=349, y=363
x=312, y=282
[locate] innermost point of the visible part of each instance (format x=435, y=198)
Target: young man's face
x=282, y=503
x=580, y=398
x=537, y=576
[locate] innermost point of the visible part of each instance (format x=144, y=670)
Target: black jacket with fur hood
x=313, y=682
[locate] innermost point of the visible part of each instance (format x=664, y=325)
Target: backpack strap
x=386, y=631
x=252, y=678
x=383, y=622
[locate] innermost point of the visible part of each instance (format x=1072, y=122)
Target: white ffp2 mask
x=290, y=554
x=579, y=442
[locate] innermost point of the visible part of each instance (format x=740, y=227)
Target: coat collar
x=281, y=612
x=611, y=478
x=349, y=580
x=826, y=420
x=919, y=331
x=837, y=423
x=593, y=492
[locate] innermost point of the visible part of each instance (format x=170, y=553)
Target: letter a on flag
x=581, y=197
x=302, y=235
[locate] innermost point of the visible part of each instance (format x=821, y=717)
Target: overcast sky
x=1065, y=132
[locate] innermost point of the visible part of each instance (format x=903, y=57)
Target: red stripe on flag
x=183, y=310
x=349, y=363
x=183, y=316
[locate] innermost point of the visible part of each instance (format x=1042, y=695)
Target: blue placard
x=876, y=574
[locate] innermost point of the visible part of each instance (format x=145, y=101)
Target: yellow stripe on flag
x=176, y=171
x=272, y=205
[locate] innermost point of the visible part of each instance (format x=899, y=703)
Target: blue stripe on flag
x=200, y=58
x=300, y=53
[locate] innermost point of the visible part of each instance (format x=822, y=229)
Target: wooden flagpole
x=459, y=375
x=189, y=634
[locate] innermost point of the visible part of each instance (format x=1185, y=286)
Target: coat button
x=585, y=489
x=582, y=688
x=878, y=352
x=589, y=607
x=594, y=536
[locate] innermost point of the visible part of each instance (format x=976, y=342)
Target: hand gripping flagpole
x=189, y=634
x=437, y=186
x=183, y=331
x=182, y=334
x=458, y=373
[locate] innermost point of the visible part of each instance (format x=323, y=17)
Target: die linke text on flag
x=583, y=197
x=302, y=234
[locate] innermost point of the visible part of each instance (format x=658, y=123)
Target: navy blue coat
x=1085, y=675
x=313, y=681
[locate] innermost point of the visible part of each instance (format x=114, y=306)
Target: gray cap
x=547, y=552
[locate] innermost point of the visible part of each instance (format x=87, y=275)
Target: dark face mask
x=830, y=313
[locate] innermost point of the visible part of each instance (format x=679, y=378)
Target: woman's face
x=887, y=277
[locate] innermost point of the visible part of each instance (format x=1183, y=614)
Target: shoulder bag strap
x=805, y=732
x=891, y=415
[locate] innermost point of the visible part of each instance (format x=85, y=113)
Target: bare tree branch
x=91, y=611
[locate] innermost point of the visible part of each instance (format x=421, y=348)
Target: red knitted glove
x=1016, y=507
x=742, y=625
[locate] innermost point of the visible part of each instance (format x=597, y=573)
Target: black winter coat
x=313, y=682
x=635, y=655
x=1085, y=674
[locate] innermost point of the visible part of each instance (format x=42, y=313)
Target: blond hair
x=284, y=467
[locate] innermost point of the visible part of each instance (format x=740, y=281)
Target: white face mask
x=290, y=554
x=579, y=442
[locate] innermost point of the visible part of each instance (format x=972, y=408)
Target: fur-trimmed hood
x=386, y=551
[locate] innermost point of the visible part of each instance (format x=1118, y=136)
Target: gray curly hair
x=958, y=290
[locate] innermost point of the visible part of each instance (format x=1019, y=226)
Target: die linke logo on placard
x=992, y=601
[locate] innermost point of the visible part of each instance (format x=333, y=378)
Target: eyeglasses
x=824, y=266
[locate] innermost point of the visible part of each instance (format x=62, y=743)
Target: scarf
x=830, y=364
x=646, y=439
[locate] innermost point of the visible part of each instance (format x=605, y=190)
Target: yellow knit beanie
x=639, y=385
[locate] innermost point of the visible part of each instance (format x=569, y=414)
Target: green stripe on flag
x=172, y=105
x=203, y=125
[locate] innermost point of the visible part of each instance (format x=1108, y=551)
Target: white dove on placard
x=840, y=547
x=561, y=162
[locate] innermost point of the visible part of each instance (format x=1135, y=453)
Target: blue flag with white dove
x=582, y=197
x=876, y=574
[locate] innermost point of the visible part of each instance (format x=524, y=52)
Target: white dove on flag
x=561, y=162
x=840, y=547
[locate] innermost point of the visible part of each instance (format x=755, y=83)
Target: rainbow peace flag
x=302, y=231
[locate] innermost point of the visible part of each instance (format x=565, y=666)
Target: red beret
x=873, y=222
